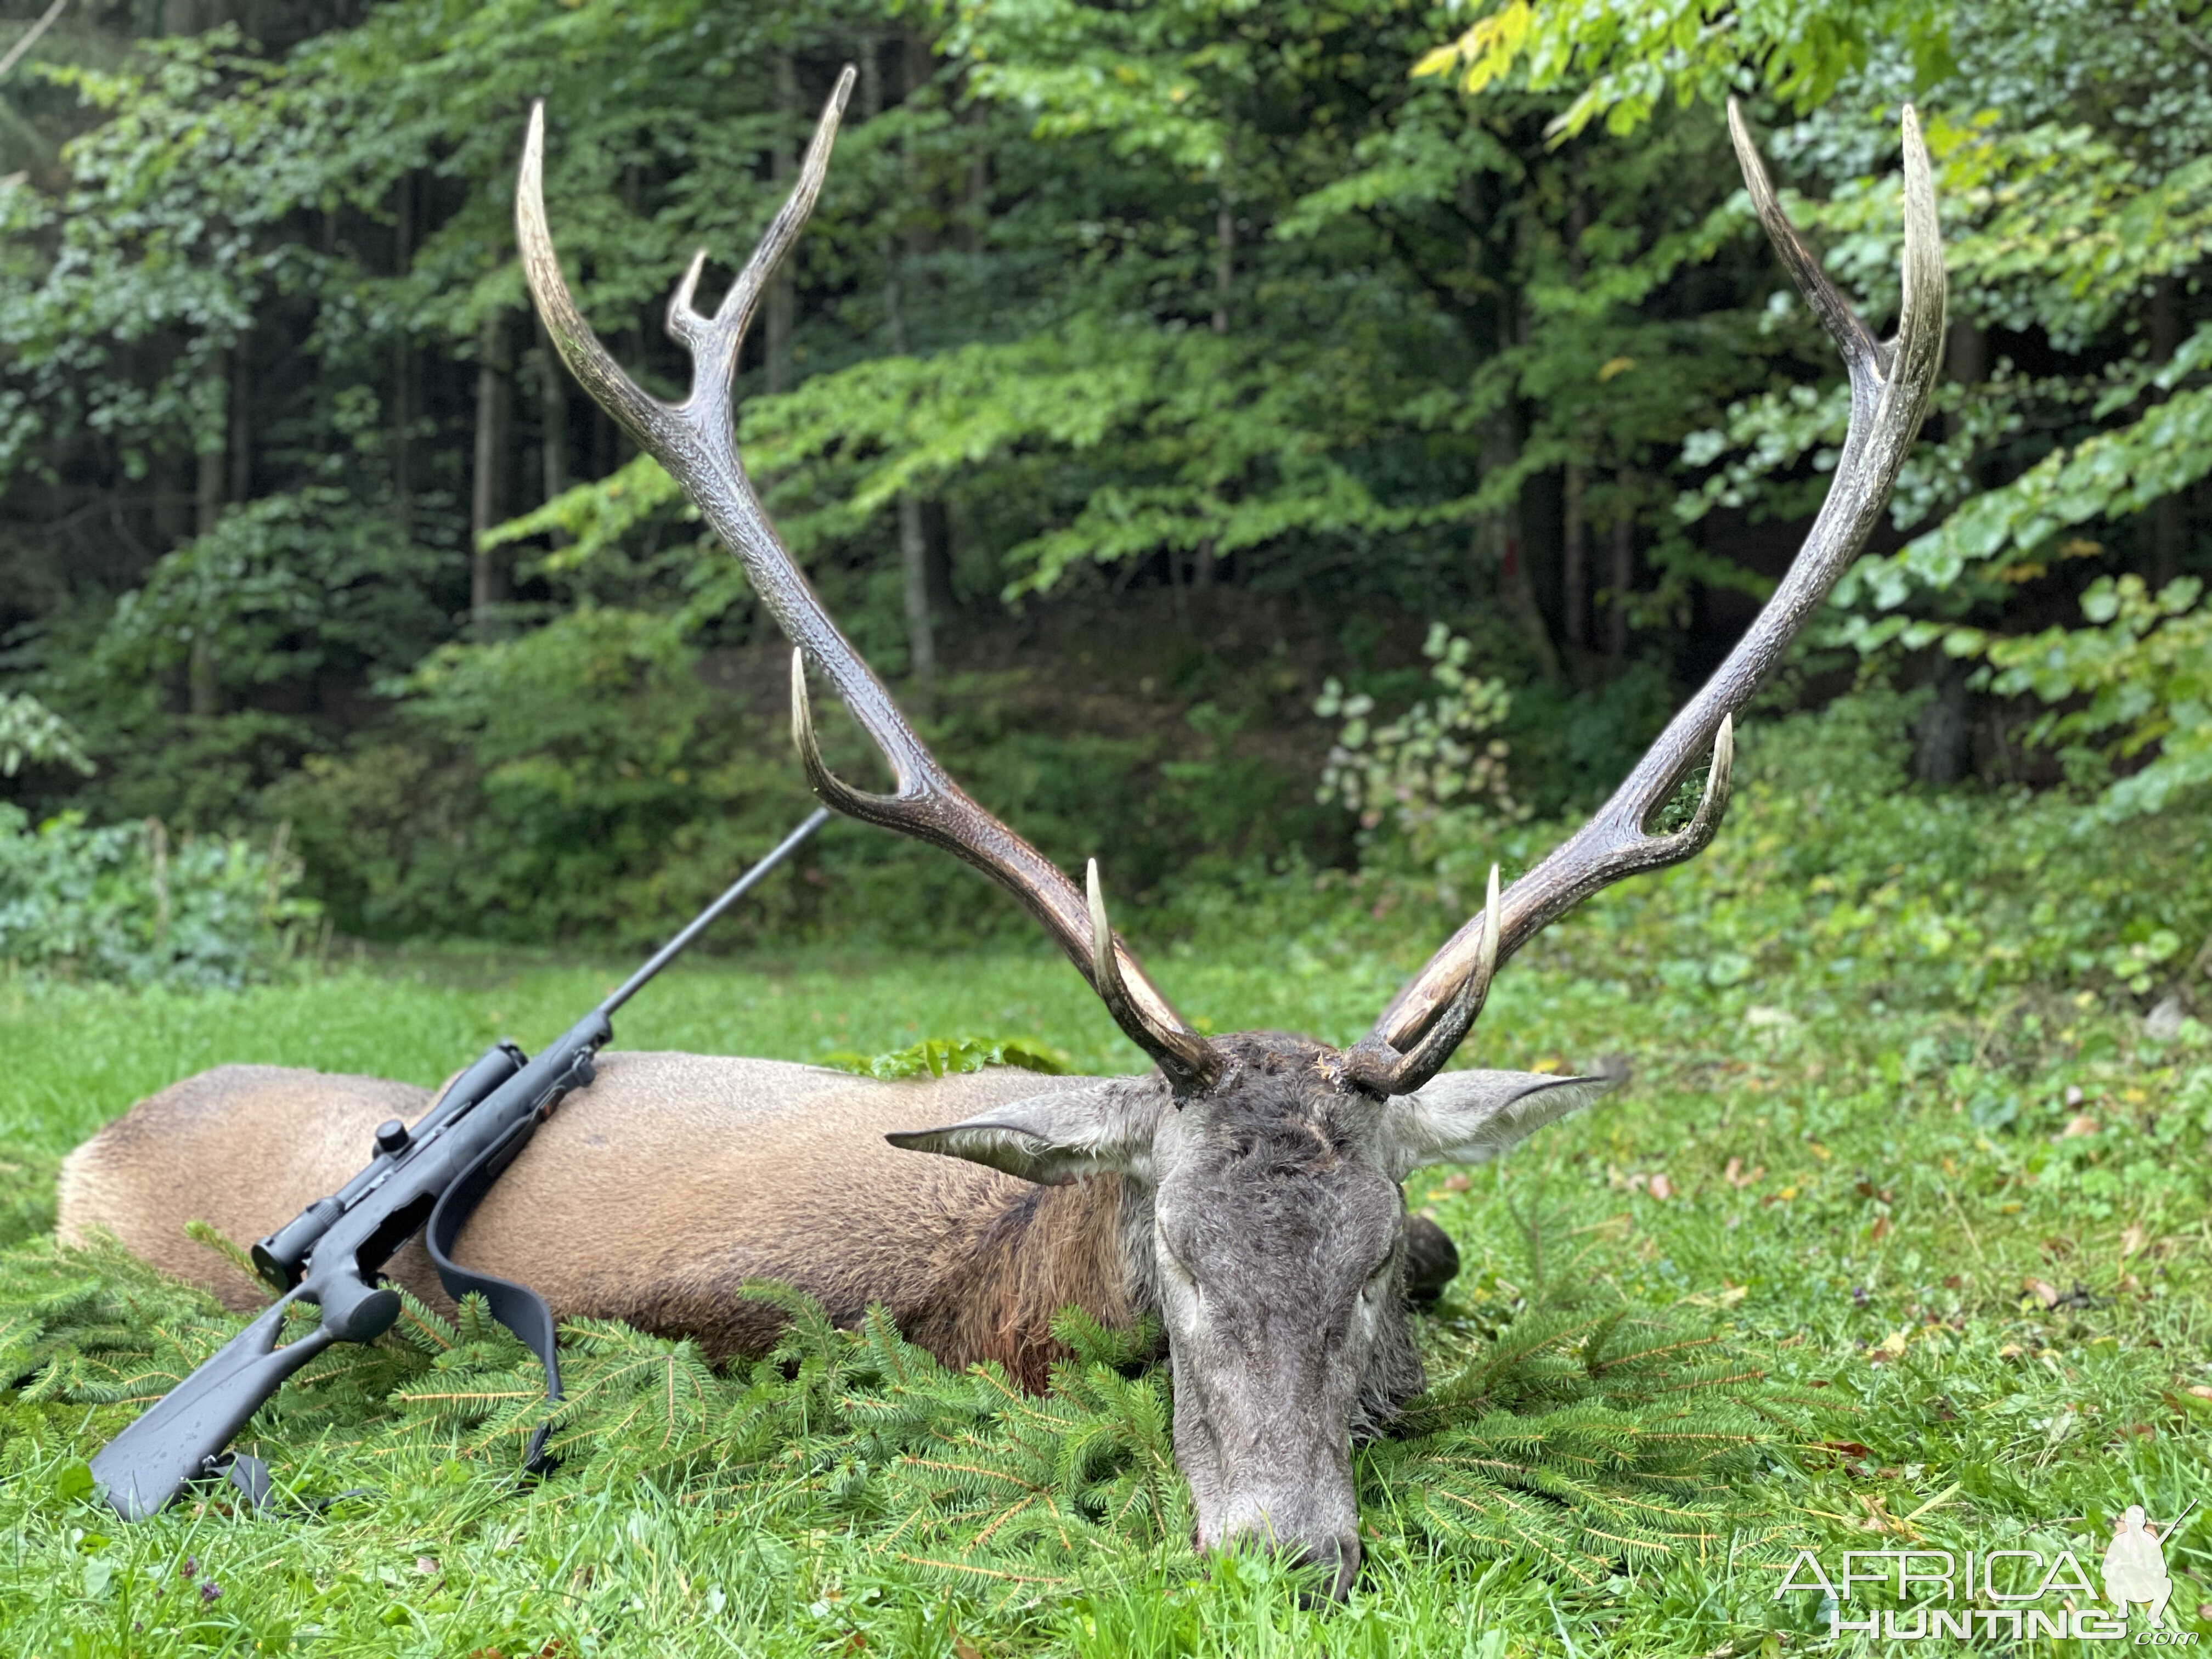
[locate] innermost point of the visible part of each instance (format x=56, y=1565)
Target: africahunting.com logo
x=2015, y=1594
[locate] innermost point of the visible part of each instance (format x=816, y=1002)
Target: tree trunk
x=976, y=188
x=913, y=540
x=488, y=502
x=241, y=483
x=207, y=494
x=921, y=633
x=783, y=164
x=552, y=423
x=1965, y=363
x=1621, y=580
x=402, y=359
x=221, y=472
x=2169, y=516
x=1942, y=737
x=1574, y=558
x=1498, y=535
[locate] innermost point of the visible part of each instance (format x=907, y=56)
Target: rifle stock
x=182, y=1436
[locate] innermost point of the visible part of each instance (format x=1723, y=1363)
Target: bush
x=1833, y=875
x=598, y=777
x=122, y=903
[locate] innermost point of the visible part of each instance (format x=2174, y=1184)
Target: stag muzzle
x=1276, y=1481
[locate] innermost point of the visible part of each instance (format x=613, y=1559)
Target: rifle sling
x=518, y=1307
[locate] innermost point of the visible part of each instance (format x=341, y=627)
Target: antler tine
x=591, y=363
x=1192, y=1054
x=694, y=441
x=1890, y=384
x=1374, y=1066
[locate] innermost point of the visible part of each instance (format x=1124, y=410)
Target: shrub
x=120, y=902
x=1833, y=875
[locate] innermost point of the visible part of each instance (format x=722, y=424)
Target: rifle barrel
x=706, y=918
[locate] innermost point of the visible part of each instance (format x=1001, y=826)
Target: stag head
x=1266, y=1220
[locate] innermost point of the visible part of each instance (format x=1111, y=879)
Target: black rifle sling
x=518, y=1307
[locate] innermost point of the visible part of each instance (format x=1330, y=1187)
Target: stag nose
x=1338, y=1557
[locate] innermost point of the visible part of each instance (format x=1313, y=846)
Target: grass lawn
x=1973, y=1249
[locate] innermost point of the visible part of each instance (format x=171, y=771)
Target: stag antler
x=1890, y=382
x=694, y=439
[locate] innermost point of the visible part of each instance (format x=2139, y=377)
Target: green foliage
x=286, y=588
x=947, y=1056
x=120, y=904
x=1623, y=59
x=1433, y=758
x=1598, y=1438
x=31, y=732
x=1587, y=1442
x=1134, y=305
x=1829, y=878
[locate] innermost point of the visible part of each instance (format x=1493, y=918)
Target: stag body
x=651, y=1196
x=1265, y=1227
x=1256, y=1207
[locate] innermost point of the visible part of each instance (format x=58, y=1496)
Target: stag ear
x=1053, y=1138
x=1471, y=1117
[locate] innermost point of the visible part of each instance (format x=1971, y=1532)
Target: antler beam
x=696, y=441
x=1890, y=384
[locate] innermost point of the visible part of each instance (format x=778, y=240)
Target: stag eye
x=1378, y=1277
x=1176, y=1270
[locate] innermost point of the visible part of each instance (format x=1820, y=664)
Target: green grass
x=1875, y=1206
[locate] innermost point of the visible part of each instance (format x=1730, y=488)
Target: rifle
x=330, y=1256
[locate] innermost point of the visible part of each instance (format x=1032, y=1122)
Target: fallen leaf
x=2043, y=1291
x=1880, y=1228
x=1661, y=1188
x=2200, y=1391
x=1458, y=1182
x=1724, y=1298
x=1954, y=1282
x=1891, y=1347
x=426, y=1565
x=964, y=1648
x=2132, y=1238
x=2079, y=1124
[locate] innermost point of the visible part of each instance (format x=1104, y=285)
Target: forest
x=1298, y=455
x=1238, y=432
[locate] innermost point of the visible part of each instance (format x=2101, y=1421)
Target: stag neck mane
x=1004, y=1274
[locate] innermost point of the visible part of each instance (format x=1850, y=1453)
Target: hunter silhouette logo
x=2135, y=1565
x=2006, y=1594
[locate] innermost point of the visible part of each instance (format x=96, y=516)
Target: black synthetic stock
x=182, y=1435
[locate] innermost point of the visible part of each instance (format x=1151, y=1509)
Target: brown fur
x=649, y=1198
x=1003, y=1276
